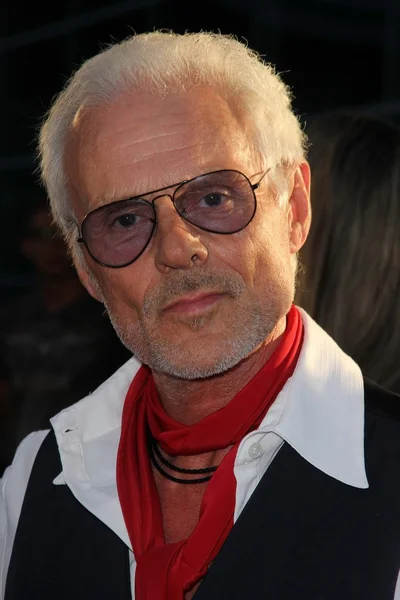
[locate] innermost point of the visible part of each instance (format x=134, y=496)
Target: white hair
x=161, y=63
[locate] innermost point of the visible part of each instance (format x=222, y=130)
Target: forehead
x=143, y=142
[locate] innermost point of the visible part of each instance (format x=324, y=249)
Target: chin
x=191, y=371
x=201, y=358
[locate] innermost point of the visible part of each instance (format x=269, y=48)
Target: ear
x=87, y=280
x=300, y=208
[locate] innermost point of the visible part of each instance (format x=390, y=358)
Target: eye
x=127, y=220
x=212, y=200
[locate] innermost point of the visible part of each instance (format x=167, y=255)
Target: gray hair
x=161, y=63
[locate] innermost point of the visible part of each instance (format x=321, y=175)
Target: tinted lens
x=220, y=202
x=116, y=234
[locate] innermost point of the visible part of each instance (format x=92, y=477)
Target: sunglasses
x=223, y=202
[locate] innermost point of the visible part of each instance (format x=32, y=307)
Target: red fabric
x=167, y=571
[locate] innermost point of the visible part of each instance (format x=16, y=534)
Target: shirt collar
x=320, y=410
x=88, y=436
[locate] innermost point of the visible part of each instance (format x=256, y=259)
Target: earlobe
x=300, y=207
x=296, y=237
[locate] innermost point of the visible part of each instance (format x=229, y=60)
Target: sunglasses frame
x=254, y=186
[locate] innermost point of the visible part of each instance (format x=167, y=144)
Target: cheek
x=272, y=254
x=122, y=291
x=257, y=253
x=273, y=233
x=233, y=252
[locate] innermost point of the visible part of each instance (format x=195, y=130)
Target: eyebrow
x=201, y=170
x=197, y=172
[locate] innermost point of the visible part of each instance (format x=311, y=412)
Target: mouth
x=193, y=304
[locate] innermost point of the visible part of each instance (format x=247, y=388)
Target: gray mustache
x=178, y=284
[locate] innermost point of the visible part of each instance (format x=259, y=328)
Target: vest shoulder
x=381, y=402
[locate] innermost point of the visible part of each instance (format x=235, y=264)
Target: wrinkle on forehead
x=140, y=143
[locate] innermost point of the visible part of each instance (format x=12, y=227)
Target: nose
x=178, y=244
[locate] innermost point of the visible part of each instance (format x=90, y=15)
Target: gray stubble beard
x=253, y=325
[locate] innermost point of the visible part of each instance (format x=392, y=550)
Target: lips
x=193, y=304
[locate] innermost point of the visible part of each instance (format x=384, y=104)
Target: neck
x=190, y=401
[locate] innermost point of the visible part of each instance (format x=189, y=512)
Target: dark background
x=333, y=53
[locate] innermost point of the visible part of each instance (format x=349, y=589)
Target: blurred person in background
x=350, y=280
x=56, y=343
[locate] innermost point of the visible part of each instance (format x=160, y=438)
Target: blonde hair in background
x=350, y=281
x=161, y=63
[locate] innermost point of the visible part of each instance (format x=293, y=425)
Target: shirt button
x=255, y=450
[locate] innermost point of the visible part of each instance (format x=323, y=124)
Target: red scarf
x=167, y=571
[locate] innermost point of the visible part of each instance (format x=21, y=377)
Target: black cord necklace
x=157, y=458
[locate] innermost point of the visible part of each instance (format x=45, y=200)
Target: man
x=56, y=344
x=233, y=456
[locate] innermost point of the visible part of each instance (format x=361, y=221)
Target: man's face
x=195, y=303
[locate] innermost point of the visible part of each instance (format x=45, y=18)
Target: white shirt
x=319, y=412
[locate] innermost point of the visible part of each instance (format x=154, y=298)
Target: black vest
x=301, y=535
